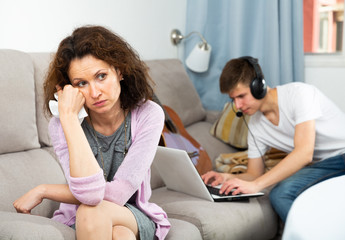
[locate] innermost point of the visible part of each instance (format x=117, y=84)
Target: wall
x=328, y=74
x=331, y=81
x=39, y=25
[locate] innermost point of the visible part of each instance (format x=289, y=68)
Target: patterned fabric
x=231, y=129
x=236, y=163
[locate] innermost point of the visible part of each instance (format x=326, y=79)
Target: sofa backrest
x=22, y=77
x=175, y=89
x=23, y=163
x=18, y=129
x=41, y=63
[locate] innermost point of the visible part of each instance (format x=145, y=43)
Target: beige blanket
x=237, y=162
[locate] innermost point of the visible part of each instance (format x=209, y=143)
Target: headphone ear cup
x=258, y=88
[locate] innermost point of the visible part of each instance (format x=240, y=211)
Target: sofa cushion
x=182, y=230
x=212, y=145
x=174, y=89
x=22, y=171
x=221, y=220
x=29, y=227
x=41, y=63
x=18, y=131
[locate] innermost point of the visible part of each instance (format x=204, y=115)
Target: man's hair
x=105, y=45
x=236, y=71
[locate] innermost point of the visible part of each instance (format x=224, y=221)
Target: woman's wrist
x=67, y=117
x=69, y=120
x=41, y=191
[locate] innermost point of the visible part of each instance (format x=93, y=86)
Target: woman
x=106, y=159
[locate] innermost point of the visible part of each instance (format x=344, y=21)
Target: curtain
x=270, y=30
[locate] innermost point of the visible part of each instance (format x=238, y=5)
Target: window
x=323, y=26
x=324, y=33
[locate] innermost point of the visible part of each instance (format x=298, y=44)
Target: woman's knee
x=93, y=212
x=122, y=232
x=88, y=217
x=85, y=210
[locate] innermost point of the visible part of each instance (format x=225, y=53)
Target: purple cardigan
x=133, y=174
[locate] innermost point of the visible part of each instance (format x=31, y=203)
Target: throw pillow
x=231, y=129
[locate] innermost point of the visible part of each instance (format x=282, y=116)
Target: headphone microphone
x=238, y=113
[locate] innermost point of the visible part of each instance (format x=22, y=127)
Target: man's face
x=244, y=100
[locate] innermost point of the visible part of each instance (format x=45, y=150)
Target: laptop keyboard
x=215, y=191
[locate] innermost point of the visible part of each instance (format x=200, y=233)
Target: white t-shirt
x=299, y=102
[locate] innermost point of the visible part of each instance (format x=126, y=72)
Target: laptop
x=179, y=174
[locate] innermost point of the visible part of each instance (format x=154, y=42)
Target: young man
x=295, y=118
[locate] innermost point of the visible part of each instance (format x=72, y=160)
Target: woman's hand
x=214, y=178
x=71, y=100
x=30, y=200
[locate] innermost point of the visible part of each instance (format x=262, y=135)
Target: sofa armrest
x=212, y=115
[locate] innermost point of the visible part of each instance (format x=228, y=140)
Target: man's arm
x=251, y=182
x=304, y=141
x=255, y=169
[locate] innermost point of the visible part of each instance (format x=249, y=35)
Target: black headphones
x=258, y=86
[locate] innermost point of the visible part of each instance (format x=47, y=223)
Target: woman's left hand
x=71, y=100
x=28, y=201
x=239, y=186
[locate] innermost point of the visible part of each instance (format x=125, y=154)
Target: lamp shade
x=199, y=58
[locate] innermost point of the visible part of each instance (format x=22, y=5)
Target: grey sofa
x=27, y=159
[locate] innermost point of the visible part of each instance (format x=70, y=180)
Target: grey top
x=112, y=146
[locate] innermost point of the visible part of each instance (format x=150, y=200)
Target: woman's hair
x=105, y=45
x=236, y=71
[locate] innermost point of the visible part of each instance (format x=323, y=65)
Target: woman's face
x=98, y=82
